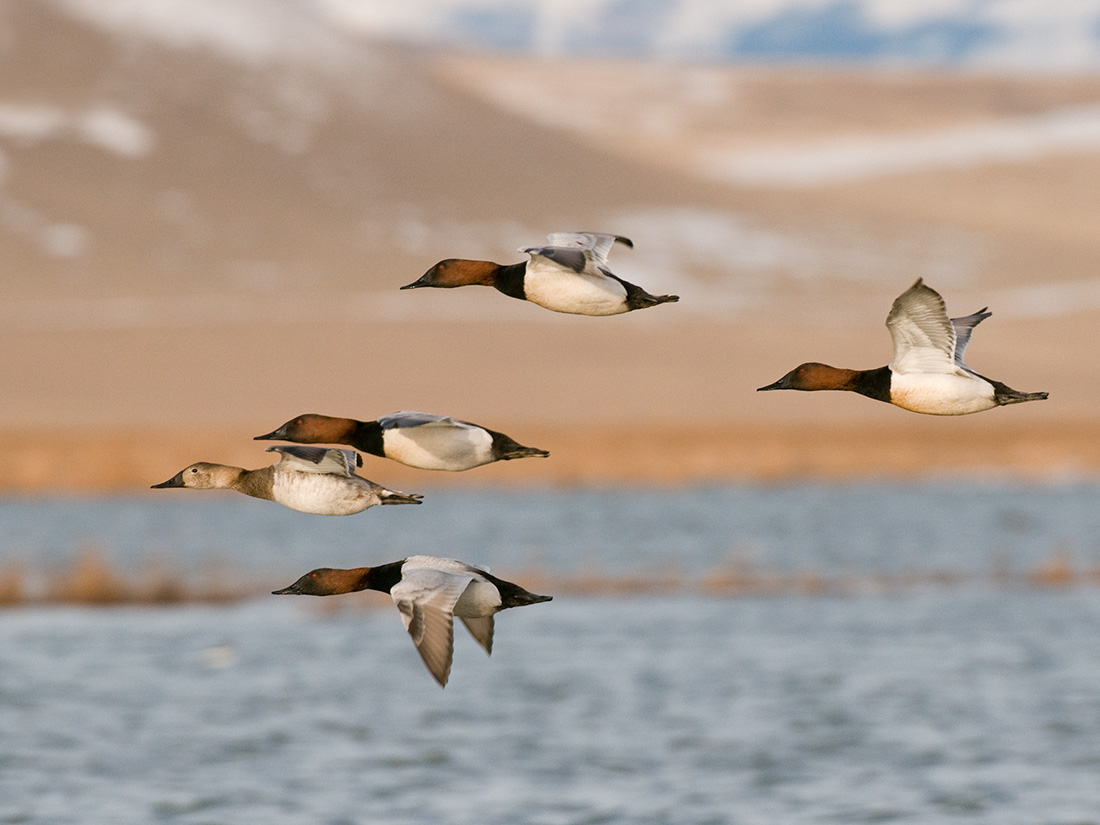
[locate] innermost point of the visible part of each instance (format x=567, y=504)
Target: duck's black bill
x=778, y=385
x=417, y=283
x=174, y=481
x=279, y=434
x=293, y=590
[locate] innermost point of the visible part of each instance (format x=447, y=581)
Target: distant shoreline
x=89, y=461
x=90, y=580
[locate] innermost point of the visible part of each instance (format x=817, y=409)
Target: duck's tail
x=1006, y=395
x=512, y=595
x=644, y=300
x=522, y=598
x=506, y=448
x=520, y=451
x=394, y=497
x=638, y=298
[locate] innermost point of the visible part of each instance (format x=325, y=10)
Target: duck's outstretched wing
x=426, y=598
x=598, y=243
x=573, y=250
x=481, y=629
x=327, y=460
x=963, y=328
x=410, y=418
x=924, y=337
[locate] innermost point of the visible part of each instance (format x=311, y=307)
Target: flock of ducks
x=926, y=375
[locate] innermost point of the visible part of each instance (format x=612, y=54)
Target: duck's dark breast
x=875, y=384
x=509, y=280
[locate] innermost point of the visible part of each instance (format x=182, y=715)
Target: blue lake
x=929, y=705
x=824, y=527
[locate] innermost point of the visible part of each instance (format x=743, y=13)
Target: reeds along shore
x=649, y=453
x=92, y=581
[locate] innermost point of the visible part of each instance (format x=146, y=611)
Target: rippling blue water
x=963, y=704
x=957, y=527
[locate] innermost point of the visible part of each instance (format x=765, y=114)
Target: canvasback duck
x=927, y=374
x=568, y=275
x=309, y=479
x=429, y=592
x=422, y=440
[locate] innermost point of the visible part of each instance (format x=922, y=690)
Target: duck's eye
x=194, y=470
x=313, y=575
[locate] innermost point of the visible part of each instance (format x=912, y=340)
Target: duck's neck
x=381, y=578
x=335, y=431
x=509, y=280
x=256, y=483
x=367, y=436
x=873, y=383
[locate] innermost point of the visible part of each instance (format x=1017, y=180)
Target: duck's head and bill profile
x=456, y=272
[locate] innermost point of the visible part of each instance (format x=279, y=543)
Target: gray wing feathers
x=482, y=630
x=317, y=459
x=410, y=418
x=426, y=599
x=924, y=338
x=573, y=249
x=574, y=259
x=432, y=632
x=599, y=243
x=964, y=327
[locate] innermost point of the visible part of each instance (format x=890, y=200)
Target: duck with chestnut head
x=927, y=373
x=429, y=592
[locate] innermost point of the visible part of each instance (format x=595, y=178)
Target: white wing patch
x=924, y=337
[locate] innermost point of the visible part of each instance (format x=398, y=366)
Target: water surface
x=954, y=704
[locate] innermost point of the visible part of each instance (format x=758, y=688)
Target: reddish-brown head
x=457, y=272
x=326, y=581
x=813, y=376
x=312, y=429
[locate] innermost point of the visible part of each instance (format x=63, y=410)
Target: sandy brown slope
x=244, y=270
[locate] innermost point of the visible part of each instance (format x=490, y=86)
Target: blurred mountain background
x=206, y=209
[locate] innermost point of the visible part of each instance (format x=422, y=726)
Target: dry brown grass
x=133, y=459
x=92, y=581
x=12, y=589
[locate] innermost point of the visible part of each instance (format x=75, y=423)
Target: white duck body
x=325, y=495
x=960, y=393
x=323, y=482
x=570, y=275
x=550, y=285
x=434, y=442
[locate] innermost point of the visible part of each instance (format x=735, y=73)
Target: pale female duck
x=927, y=373
x=569, y=275
x=309, y=479
x=429, y=592
x=428, y=442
